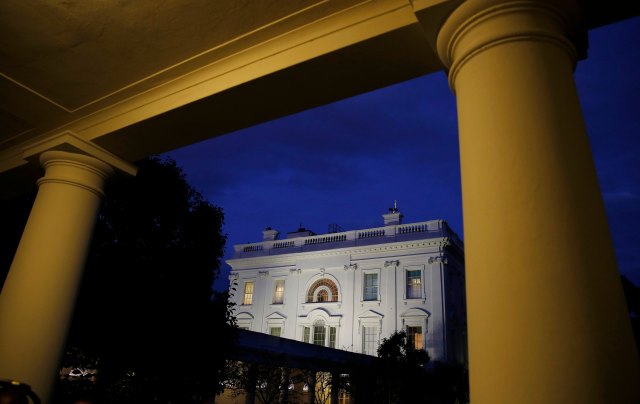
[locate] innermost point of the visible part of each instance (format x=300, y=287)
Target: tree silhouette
x=403, y=368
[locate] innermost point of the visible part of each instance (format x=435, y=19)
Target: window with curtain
x=370, y=289
x=248, y=293
x=370, y=340
x=275, y=331
x=332, y=337
x=319, y=333
x=278, y=292
x=414, y=337
x=414, y=284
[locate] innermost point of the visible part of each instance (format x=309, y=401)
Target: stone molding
x=74, y=169
x=478, y=25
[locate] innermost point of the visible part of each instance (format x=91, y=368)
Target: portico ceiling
x=146, y=76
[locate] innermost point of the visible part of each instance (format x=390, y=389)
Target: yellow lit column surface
x=37, y=299
x=546, y=315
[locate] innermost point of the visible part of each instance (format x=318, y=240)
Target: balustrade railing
x=332, y=238
x=412, y=228
x=253, y=247
x=284, y=244
x=367, y=236
x=371, y=233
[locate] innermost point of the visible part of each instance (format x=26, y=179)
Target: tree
x=265, y=378
x=405, y=376
x=145, y=307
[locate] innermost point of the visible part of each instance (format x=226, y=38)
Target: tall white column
x=546, y=315
x=38, y=296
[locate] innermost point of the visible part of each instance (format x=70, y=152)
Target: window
x=323, y=290
x=414, y=284
x=370, y=288
x=332, y=337
x=322, y=296
x=244, y=320
x=414, y=337
x=370, y=340
x=319, y=333
x=278, y=293
x=275, y=331
x=248, y=293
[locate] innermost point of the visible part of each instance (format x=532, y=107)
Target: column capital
x=70, y=142
x=75, y=169
x=478, y=25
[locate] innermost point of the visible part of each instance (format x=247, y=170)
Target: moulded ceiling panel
x=76, y=51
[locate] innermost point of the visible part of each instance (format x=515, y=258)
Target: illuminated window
x=322, y=296
x=248, y=293
x=414, y=337
x=323, y=290
x=278, y=293
x=414, y=284
x=370, y=340
x=319, y=333
x=370, y=287
x=275, y=331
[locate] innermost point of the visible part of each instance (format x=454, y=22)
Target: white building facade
x=348, y=290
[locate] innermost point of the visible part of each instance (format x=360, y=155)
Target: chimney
x=269, y=234
x=394, y=216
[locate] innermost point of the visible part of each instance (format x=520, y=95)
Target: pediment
x=244, y=316
x=320, y=312
x=276, y=316
x=370, y=314
x=416, y=312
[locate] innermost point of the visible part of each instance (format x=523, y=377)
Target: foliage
x=266, y=378
x=403, y=369
x=406, y=375
x=323, y=385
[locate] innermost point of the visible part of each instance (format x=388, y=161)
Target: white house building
x=350, y=289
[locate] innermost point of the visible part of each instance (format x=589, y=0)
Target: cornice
x=293, y=258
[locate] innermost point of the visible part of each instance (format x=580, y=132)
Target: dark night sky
x=346, y=162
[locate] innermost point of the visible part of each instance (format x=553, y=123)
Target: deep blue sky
x=346, y=162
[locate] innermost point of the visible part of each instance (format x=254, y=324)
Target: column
x=250, y=395
x=335, y=387
x=37, y=299
x=546, y=315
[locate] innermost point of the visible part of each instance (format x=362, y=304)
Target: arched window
x=323, y=295
x=323, y=290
